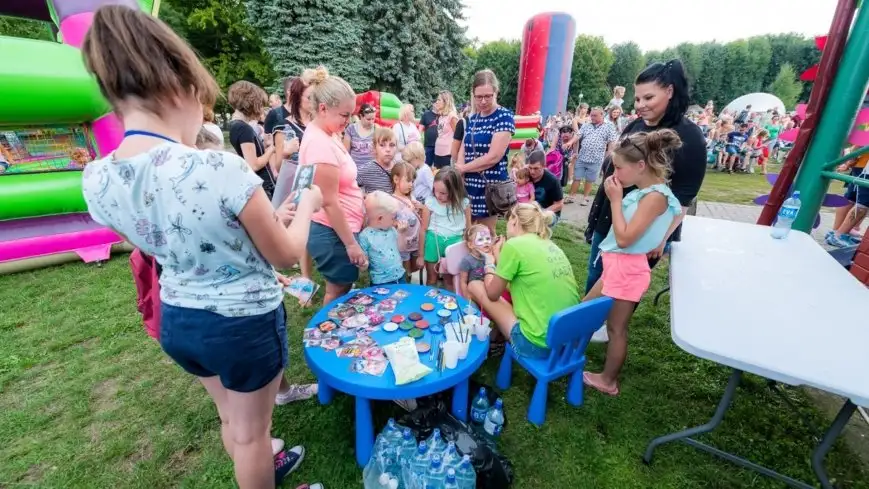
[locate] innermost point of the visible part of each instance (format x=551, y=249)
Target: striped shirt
x=372, y=176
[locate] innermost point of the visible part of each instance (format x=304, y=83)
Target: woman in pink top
x=332, y=242
x=447, y=119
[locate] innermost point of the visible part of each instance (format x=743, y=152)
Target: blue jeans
x=595, y=266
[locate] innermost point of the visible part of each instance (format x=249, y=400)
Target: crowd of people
x=383, y=199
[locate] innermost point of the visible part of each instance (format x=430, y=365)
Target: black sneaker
x=287, y=461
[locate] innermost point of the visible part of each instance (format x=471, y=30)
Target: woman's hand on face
x=613, y=188
x=498, y=245
x=357, y=256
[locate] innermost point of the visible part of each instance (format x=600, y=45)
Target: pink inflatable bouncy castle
x=53, y=121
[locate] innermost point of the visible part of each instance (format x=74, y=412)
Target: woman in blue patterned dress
x=483, y=156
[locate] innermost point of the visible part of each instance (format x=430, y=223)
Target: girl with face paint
x=479, y=241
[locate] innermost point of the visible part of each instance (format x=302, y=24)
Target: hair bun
x=320, y=74
x=663, y=140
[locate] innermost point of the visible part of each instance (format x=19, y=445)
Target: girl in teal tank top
x=641, y=221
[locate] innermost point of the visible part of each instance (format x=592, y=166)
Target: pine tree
x=786, y=87
x=413, y=48
x=305, y=34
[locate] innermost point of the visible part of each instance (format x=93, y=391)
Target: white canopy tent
x=760, y=102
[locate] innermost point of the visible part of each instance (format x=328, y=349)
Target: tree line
x=414, y=48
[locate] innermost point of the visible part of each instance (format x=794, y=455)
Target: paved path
x=578, y=215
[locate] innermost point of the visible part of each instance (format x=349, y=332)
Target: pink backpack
x=147, y=291
x=553, y=163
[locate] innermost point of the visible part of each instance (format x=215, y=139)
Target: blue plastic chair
x=568, y=336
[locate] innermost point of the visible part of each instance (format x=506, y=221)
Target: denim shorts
x=583, y=170
x=856, y=194
x=330, y=255
x=523, y=347
x=245, y=352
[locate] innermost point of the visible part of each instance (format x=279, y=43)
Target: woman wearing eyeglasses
x=482, y=158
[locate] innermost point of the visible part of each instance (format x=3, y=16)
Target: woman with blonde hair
x=333, y=241
x=538, y=274
x=447, y=119
x=405, y=130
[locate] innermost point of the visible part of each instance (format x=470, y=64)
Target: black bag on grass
x=494, y=470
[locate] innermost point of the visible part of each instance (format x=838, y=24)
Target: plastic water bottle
x=465, y=474
x=450, y=482
x=436, y=443
x=407, y=447
x=419, y=467
x=786, y=216
x=436, y=473
x=495, y=419
x=392, y=431
x=451, y=456
x=480, y=407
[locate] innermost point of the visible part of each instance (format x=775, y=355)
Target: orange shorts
x=625, y=277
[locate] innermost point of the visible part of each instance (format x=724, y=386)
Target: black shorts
x=245, y=352
x=441, y=161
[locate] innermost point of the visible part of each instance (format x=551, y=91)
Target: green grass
x=87, y=400
x=742, y=188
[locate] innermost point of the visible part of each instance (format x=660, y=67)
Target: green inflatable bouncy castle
x=53, y=121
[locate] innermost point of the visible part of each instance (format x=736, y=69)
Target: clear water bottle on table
x=495, y=419
x=786, y=216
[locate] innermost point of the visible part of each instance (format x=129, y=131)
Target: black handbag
x=500, y=195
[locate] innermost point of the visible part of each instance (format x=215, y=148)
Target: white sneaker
x=277, y=446
x=600, y=336
x=297, y=392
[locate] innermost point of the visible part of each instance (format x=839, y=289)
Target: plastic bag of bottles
x=494, y=470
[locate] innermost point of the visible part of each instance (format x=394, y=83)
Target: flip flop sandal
x=315, y=485
x=587, y=380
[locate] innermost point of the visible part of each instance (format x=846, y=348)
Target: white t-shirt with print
x=181, y=206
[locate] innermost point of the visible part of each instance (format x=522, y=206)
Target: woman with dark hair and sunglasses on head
x=661, y=100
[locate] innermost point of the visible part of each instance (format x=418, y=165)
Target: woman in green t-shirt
x=536, y=272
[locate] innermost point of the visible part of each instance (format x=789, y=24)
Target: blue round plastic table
x=333, y=373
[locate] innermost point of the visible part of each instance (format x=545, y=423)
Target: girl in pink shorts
x=641, y=221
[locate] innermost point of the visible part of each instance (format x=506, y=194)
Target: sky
x=655, y=24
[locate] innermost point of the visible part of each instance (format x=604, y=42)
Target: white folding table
x=801, y=330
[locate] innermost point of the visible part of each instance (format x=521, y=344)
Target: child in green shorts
x=445, y=217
